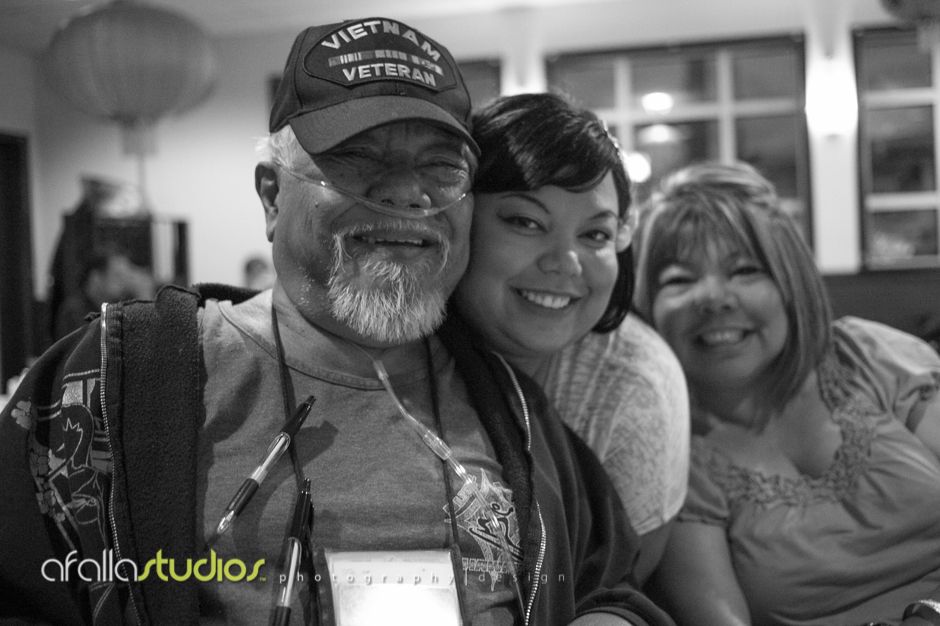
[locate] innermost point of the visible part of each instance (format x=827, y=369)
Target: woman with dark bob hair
x=814, y=488
x=549, y=288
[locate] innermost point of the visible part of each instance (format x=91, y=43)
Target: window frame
x=626, y=114
x=870, y=202
x=473, y=68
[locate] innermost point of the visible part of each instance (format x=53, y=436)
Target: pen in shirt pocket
x=295, y=542
x=274, y=452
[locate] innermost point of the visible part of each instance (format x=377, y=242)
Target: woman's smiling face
x=542, y=267
x=723, y=315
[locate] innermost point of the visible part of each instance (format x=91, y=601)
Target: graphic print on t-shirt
x=489, y=540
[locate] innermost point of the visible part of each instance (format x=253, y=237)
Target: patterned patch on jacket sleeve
x=69, y=458
x=43, y=463
x=22, y=414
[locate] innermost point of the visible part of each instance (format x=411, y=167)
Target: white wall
x=203, y=168
x=17, y=104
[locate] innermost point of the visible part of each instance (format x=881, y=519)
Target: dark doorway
x=16, y=259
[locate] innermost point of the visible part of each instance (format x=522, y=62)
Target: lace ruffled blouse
x=861, y=541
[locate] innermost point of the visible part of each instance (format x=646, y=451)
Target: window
x=482, y=80
x=671, y=107
x=898, y=95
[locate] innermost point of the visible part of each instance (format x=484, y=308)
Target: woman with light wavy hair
x=814, y=492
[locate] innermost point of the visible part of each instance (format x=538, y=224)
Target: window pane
x=482, y=80
x=588, y=79
x=902, y=149
x=687, y=77
x=892, y=61
x=764, y=73
x=899, y=235
x=690, y=107
x=769, y=144
x=671, y=146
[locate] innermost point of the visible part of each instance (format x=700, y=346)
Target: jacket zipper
x=528, y=446
x=107, y=432
x=525, y=406
x=538, y=565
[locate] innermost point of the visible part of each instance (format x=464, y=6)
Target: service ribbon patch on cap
x=380, y=49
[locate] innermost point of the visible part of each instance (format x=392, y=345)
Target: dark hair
x=733, y=205
x=529, y=141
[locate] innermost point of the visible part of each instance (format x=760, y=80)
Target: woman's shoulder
x=639, y=335
x=625, y=395
x=875, y=349
x=871, y=336
x=892, y=368
x=616, y=367
x=634, y=346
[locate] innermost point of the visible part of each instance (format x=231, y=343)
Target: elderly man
x=428, y=484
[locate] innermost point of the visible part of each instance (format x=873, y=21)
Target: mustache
x=403, y=226
x=408, y=227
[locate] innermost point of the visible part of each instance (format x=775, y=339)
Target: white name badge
x=417, y=588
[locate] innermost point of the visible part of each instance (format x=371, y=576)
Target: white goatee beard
x=397, y=303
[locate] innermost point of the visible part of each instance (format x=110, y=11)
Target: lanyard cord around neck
x=287, y=392
x=455, y=556
x=436, y=443
x=439, y=424
x=445, y=456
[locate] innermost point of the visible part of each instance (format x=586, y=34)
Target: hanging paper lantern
x=131, y=63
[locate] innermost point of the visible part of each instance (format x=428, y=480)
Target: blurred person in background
x=106, y=277
x=258, y=273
